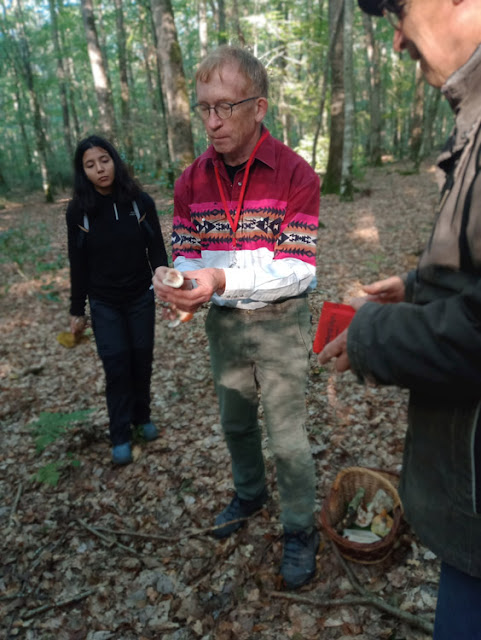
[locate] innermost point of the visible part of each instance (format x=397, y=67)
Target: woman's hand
x=78, y=325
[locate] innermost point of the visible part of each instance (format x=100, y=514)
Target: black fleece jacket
x=113, y=261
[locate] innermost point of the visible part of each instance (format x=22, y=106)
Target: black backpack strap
x=142, y=219
x=85, y=228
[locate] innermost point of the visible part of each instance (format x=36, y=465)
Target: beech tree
x=99, y=72
x=332, y=178
x=25, y=67
x=181, y=144
x=347, y=188
x=127, y=70
x=374, y=85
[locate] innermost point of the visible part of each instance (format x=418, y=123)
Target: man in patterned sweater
x=244, y=236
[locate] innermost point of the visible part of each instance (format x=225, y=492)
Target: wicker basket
x=333, y=510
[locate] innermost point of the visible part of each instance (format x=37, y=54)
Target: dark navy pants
x=125, y=340
x=458, y=612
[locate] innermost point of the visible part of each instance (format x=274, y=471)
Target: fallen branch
x=136, y=534
x=379, y=603
x=13, y=510
x=106, y=540
x=336, y=602
x=62, y=603
x=365, y=598
x=188, y=533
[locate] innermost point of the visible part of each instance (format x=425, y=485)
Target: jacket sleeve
x=154, y=239
x=77, y=255
x=431, y=348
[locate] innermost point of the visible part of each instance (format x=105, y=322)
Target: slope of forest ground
x=125, y=553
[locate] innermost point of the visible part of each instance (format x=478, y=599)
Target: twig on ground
x=62, y=603
x=19, y=271
x=188, y=533
x=336, y=602
x=106, y=540
x=365, y=598
x=379, y=603
x=13, y=510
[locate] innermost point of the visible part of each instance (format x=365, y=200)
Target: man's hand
x=383, y=291
x=337, y=348
x=190, y=297
x=388, y=290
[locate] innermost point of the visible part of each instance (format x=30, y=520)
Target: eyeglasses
x=393, y=11
x=223, y=110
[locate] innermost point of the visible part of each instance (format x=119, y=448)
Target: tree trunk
x=347, y=189
x=335, y=26
x=281, y=54
x=70, y=86
x=124, y=83
x=430, y=111
x=332, y=179
x=162, y=153
x=417, y=118
x=237, y=25
x=374, y=83
x=3, y=184
x=166, y=159
x=71, y=96
x=203, y=33
x=61, y=75
x=222, y=35
x=99, y=72
x=181, y=144
x=39, y=129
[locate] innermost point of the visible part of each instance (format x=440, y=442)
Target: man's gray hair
x=249, y=66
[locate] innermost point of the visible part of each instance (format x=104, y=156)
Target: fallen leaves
x=127, y=553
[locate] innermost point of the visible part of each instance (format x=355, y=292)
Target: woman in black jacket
x=114, y=244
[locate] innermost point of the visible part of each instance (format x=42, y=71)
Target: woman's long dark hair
x=124, y=188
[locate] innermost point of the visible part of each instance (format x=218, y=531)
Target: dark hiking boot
x=299, y=558
x=238, y=508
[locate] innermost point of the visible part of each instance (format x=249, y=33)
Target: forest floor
x=92, y=551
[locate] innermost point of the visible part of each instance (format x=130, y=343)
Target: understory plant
x=49, y=428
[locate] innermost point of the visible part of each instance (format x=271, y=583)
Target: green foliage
x=50, y=426
x=48, y=429
x=30, y=248
x=49, y=293
x=49, y=474
x=166, y=211
x=374, y=262
x=291, y=38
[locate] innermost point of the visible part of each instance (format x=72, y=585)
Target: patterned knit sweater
x=274, y=256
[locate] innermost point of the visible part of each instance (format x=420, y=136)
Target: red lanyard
x=234, y=223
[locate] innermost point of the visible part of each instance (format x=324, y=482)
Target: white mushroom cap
x=173, y=278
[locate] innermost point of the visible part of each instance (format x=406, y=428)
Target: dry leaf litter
x=125, y=553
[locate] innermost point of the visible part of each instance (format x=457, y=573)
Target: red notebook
x=334, y=319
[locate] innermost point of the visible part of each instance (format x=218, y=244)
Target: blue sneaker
x=299, y=558
x=122, y=453
x=150, y=431
x=237, y=508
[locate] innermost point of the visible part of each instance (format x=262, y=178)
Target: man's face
x=427, y=31
x=236, y=136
